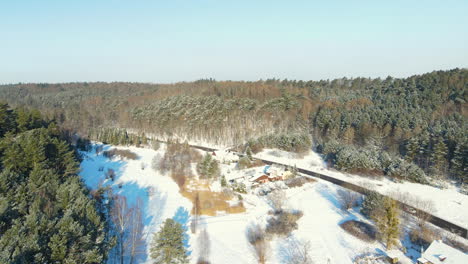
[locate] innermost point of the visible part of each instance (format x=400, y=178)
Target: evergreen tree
x=372, y=202
x=248, y=152
x=167, y=246
x=208, y=167
x=144, y=139
x=294, y=171
x=348, y=135
x=412, y=149
x=424, y=150
x=7, y=119
x=223, y=181
x=388, y=222
x=459, y=162
x=439, y=153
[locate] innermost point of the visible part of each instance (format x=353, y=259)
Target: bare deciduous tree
x=121, y=218
x=277, y=200
x=128, y=223
x=256, y=237
x=136, y=241
x=426, y=208
x=348, y=199
x=296, y=252
x=196, y=211
x=155, y=162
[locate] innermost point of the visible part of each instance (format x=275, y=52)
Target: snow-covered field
x=227, y=232
x=159, y=193
x=449, y=204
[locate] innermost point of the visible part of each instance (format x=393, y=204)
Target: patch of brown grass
x=124, y=153
x=360, y=230
x=298, y=181
x=256, y=163
x=210, y=202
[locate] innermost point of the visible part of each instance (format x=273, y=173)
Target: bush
x=329, y=150
x=298, y=181
x=423, y=235
x=348, y=199
x=124, y=153
x=360, y=230
x=244, y=162
x=277, y=200
x=223, y=181
x=155, y=162
x=239, y=187
x=177, y=159
x=257, y=239
x=283, y=223
x=362, y=160
x=296, y=252
x=401, y=169
x=110, y=174
x=155, y=144
x=368, y=257
x=372, y=202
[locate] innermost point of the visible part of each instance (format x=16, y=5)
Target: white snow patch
x=449, y=203
x=227, y=232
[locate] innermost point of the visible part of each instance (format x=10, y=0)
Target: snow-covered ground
x=227, y=233
x=159, y=193
x=449, y=204
x=320, y=225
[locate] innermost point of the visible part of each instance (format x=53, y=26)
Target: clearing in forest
x=211, y=203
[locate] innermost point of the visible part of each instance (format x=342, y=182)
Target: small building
x=275, y=178
x=262, y=179
x=441, y=253
x=273, y=170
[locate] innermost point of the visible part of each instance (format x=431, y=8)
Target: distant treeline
x=416, y=121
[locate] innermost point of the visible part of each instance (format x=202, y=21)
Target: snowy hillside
x=319, y=225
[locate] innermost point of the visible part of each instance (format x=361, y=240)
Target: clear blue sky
x=183, y=40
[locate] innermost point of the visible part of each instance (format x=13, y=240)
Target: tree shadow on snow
x=182, y=217
x=95, y=166
x=331, y=196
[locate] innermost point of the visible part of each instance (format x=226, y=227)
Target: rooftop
x=440, y=253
